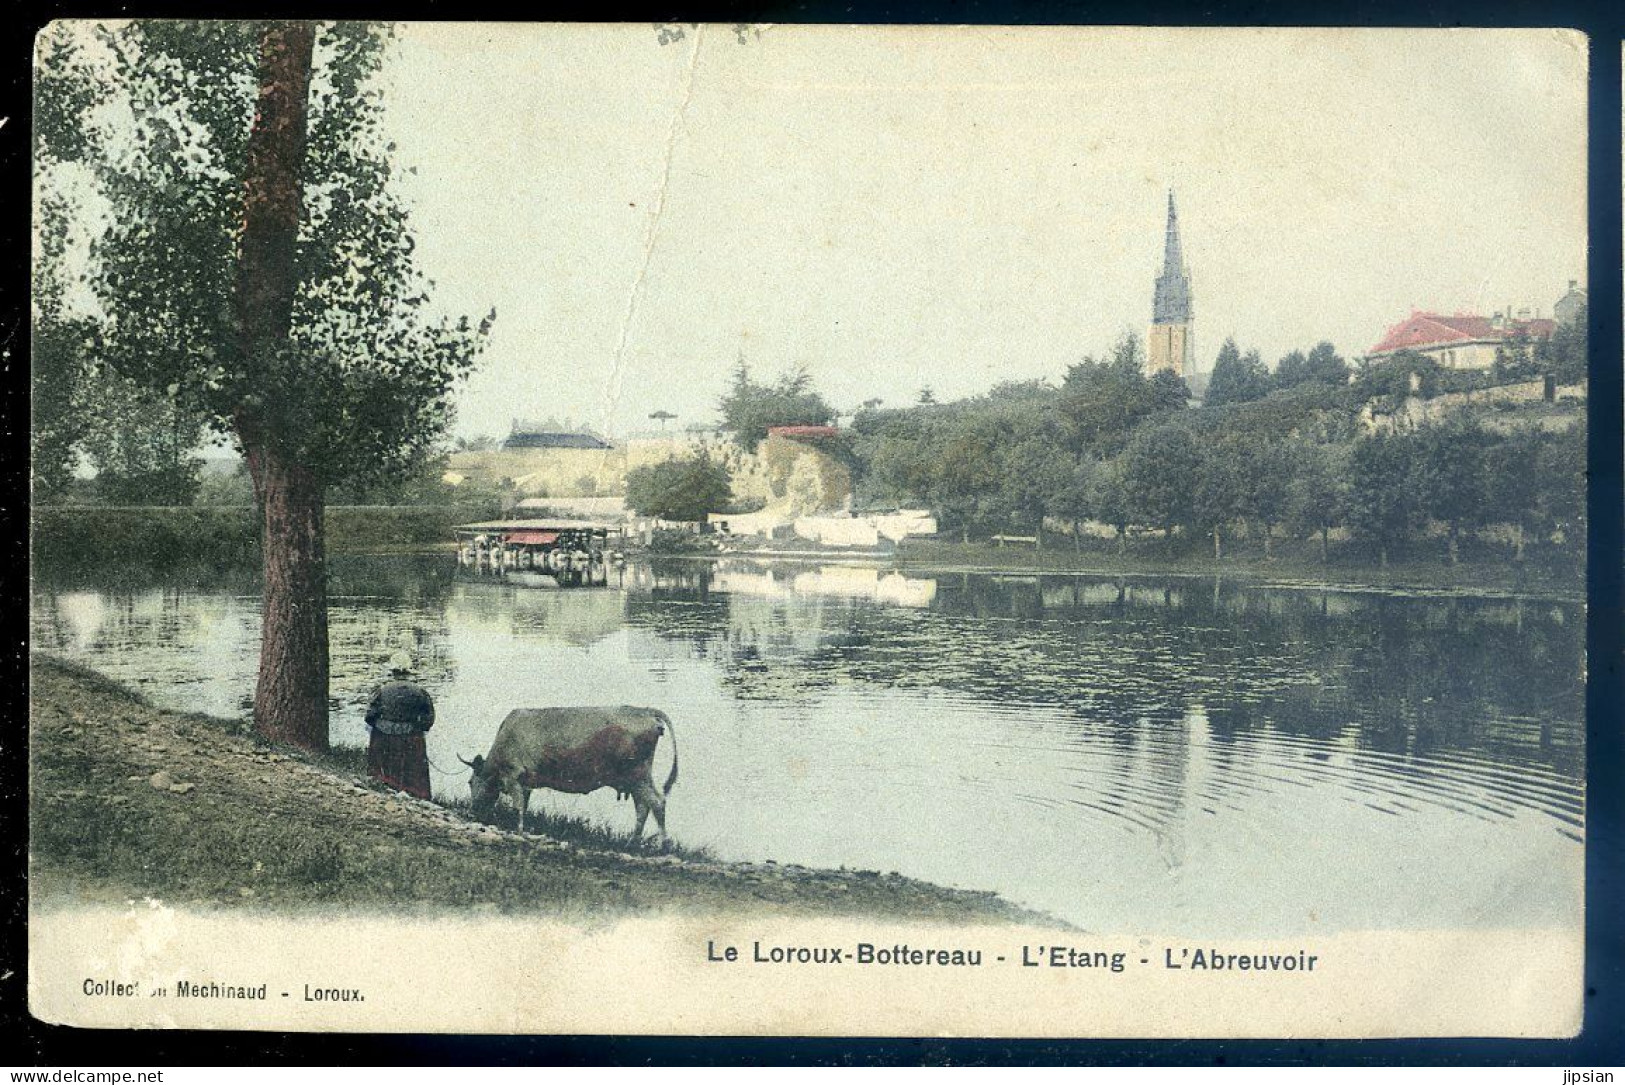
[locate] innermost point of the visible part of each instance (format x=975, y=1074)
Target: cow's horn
x=465, y=760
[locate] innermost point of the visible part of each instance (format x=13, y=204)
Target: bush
x=76, y=537
x=71, y=537
x=685, y=489
x=671, y=540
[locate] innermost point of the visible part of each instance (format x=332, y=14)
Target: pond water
x=1179, y=756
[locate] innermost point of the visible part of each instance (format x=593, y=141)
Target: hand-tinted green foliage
x=60, y=361
x=1383, y=505
x=215, y=536
x=751, y=408
x=1106, y=448
x=137, y=441
x=994, y=462
x=1160, y=471
x=685, y=490
x=1563, y=355
x=1032, y=472
x=1237, y=378
x=1169, y=392
x=1102, y=400
x=231, y=486
x=1322, y=365
x=421, y=483
x=359, y=393
x=1108, y=495
x=1317, y=486
x=1222, y=481
x=1407, y=373
x=1449, y=475
x=1515, y=359
x=1560, y=464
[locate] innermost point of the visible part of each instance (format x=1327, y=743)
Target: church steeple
x=1170, y=344
x=1171, y=303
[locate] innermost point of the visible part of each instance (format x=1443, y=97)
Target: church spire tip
x=1172, y=301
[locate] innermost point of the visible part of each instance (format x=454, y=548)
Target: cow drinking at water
x=576, y=750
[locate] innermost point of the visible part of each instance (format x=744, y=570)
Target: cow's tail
x=672, y=777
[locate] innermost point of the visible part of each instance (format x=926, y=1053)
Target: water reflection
x=1133, y=754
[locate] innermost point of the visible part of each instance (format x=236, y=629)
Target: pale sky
x=898, y=207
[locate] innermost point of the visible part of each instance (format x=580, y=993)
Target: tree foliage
x=1449, y=477
x=360, y=390
x=1383, y=506
x=685, y=490
x=1407, y=373
x=1236, y=377
x=1563, y=354
x=1322, y=365
x=750, y=408
x=1515, y=359
x=1101, y=401
x=1317, y=489
x=1105, y=448
x=1160, y=469
x=137, y=441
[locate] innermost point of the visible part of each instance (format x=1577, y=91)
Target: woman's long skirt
x=400, y=761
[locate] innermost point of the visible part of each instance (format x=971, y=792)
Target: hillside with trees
x=1271, y=455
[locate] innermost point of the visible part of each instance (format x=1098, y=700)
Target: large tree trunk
x=290, y=700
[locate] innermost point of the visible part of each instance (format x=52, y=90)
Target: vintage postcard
x=808, y=530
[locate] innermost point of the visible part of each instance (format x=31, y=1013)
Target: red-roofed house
x=1456, y=342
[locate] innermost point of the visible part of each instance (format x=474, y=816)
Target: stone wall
x=795, y=477
x=1415, y=411
x=544, y=472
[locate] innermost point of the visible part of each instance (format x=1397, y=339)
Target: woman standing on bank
x=400, y=714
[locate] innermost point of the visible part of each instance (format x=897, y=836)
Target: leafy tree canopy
x=679, y=489
x=1102, y=400
x=751, y=408
x=360, y=389
x=1564, y=354
x=1322, y=365
x=1236, y=378
x=1406, y=373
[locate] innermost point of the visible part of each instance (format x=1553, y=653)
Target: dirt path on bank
x=130, y=800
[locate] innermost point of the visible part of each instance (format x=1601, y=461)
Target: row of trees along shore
x=251, y=274
x=1268, y=453
x=219, y=250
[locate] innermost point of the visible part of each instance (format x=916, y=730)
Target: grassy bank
x=80, y=536
x=130, y=800
x=1291, y=563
